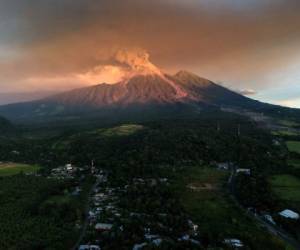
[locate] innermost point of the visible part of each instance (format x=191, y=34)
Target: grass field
x=294, y=162
x=113, y=132
x=123, y=130
x=287, y=187
x=293, y=146
x=284, y=133
x=288, y=123
x=12, y=168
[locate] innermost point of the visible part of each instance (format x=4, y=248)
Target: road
x=273, y=229
x=86, y=215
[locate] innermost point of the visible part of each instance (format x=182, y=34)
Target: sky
x=251, y=46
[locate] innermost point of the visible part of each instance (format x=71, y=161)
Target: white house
x=69, y=167
x=246, y=171
x=89, y=247
x=289, y=214
x=139, y=246
x=157, y=242
x=103, y=226
x=223, y=166
x=233, y=243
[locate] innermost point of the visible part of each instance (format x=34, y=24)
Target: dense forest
x=32, y=216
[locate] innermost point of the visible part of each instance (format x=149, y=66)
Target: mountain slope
x=145, y=91
x=150, y=88
x=5, y=126
x=211, y=93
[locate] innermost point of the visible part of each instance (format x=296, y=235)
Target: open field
x=287, y=187
x=123, y=130
x=101, y=133
x=285, y=133
x=288, y=123
x=295, y=163
x=11, y=168
x=293, y=146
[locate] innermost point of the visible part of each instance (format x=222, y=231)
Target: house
x=157, y=242
x=289, y=214
x=223, y=166
x=151, y=236
x=184, y=238
x=139, y=246
x=193, y=227
x=163, y=180
x=187, y=237
x=233, y=243
x=89, y=247
x=69, y=167
x=103, y=227
x=92, y=215
x=77, y=191
x=246, y=171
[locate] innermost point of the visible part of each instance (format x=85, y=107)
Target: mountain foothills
x=143, y=90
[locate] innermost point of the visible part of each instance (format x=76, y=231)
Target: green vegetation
x=288, y=123
x=295, y=163
x=169, y=149
x=287, y=187
x=284, y=133
x=123, y=130
x=215, y=211
x=31, y=218
x=293, y=146
x=11, y=168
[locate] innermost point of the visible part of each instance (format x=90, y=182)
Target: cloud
x=121, y=66
x=102, y=74
x=293, y=102
x=247, y=92
x=236, y=42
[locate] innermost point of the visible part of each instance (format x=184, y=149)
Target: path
x=86, y=215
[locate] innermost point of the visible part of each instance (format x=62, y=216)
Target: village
x=116, y=212
x=110, y=217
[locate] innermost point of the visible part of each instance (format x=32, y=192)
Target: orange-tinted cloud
x=61, y=43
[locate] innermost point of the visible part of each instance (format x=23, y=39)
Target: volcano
x=144, y=87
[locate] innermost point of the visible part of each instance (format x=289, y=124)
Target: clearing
x=293, y=146
x=123, y=130
x=287, y=187
x=12, y=168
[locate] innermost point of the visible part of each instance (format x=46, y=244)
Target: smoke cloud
x=61, y=44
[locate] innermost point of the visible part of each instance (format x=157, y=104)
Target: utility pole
x=239, y=130
x=92, y=167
